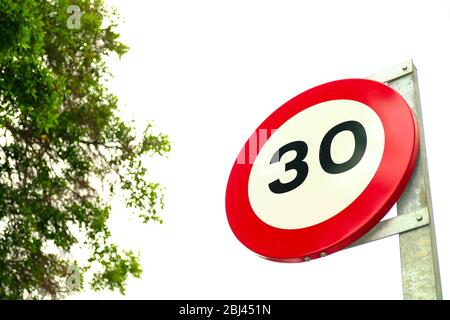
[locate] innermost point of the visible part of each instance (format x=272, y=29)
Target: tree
x=64, y=150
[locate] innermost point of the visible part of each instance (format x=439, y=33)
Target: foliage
x=64, y=151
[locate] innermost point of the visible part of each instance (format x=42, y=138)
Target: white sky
x=207, y=73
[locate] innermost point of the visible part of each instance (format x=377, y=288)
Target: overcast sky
x=207, y=73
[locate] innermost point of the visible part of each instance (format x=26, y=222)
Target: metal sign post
x=414, y=223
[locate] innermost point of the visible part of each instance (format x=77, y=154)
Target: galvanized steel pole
x=418, y=250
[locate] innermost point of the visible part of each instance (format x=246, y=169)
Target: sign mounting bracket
x=395, y=225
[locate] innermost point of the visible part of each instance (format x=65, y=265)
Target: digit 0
x=359, y=133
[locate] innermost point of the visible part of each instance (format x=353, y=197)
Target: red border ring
x=395, y=169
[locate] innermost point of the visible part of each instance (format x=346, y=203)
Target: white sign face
x=290, y=185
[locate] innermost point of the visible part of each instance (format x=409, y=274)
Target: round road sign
x=322, y=170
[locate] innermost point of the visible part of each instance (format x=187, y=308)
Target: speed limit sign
x=322, y=170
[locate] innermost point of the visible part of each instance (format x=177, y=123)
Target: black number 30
x=326, y=162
